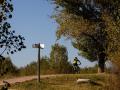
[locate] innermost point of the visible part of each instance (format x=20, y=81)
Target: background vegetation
x=7, y=68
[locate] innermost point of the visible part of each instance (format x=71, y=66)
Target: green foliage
x=59, y=59
x=93, y=26
x=89, y=8
x=45, y=65
x=7, y=67
x=9, y=42
x=89, y=70
x=31, y=69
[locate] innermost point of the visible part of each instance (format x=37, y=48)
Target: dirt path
x=28, y=78
x=25, y=78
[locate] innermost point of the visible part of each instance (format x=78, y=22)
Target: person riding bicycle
x=76, y=62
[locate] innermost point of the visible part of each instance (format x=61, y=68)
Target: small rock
x=83, y=80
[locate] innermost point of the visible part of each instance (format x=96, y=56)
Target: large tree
x=92, y=25
x=9, y=42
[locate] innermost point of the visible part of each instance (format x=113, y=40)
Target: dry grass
x=68, y=82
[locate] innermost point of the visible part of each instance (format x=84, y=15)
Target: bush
x=30, y=69
x=7, y=67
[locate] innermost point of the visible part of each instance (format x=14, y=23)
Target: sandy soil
x=25, y=78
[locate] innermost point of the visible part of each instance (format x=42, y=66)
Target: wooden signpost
x=39, y=46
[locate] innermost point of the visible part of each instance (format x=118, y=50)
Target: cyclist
x=76, y=62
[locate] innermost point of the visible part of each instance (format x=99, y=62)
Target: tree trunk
x=101, y=66
x=101, y=62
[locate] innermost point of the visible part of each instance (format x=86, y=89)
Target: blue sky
x=32, y=20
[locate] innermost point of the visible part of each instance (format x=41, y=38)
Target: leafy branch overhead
x=89, y=9
x=93, y=26
x=96, y=19
x=9, y=42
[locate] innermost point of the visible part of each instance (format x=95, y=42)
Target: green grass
x=65, y=82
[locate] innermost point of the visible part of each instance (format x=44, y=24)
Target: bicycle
x=76, y=69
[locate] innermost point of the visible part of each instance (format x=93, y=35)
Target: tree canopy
x=9, y=41
x=59, y=59
x=92, y=25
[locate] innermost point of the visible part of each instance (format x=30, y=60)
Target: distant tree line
x=57, y=63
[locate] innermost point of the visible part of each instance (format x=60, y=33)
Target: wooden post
x=39, y=46
x=39, y=63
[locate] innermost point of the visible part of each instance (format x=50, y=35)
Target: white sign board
x=42, y=46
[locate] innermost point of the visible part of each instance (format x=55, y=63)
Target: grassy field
x=67, y=82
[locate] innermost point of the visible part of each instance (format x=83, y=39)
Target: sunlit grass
x=65, y=82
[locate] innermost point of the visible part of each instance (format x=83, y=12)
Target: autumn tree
x=93, y=26
x=9, y=42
